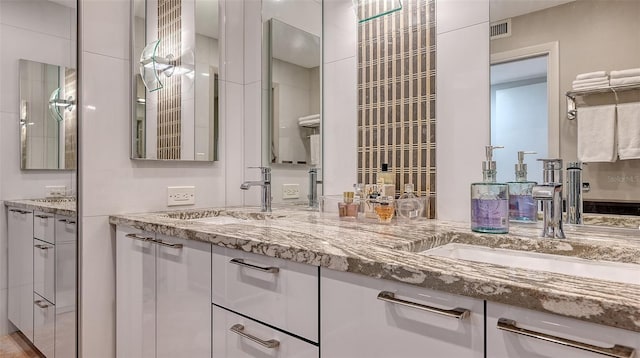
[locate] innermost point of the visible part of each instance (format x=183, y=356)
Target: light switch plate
x=181, y=195
x=290, y=191
x=52, y=191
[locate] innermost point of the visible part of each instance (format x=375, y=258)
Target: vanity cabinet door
x=135, y=294
x=356, y=323
x=44, y=227
x=183, y=322
x=44, y=317
x=20, y=270
x=502, y=343
x=44, y=269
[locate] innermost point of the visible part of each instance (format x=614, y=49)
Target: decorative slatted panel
x=70, y=120
x=396, y=95
x=169, y=98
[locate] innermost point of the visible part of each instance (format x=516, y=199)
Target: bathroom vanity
x=42, y=273
x=240, y=283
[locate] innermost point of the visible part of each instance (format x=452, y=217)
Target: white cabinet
x=43, y=325
x=408, y=321
x=240, y=337
x=511, y=332
x=278, y=292
x=44, y=227
x=163, y=296
x=44, y=261
x=20, y=267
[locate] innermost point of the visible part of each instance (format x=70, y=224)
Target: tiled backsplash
x=396, y=96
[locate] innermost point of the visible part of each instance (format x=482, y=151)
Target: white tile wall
x=462, y=131
x=340, y=30
x=108, y=33
x=456, y=14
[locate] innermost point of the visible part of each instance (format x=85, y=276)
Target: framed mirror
x=538, y=50
x=175, y=51
x=47, y=111
x=294, y=95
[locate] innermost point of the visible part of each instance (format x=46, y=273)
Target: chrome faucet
x=313, y=188
x=265, y=183
x=575, y=188
x=550, y=193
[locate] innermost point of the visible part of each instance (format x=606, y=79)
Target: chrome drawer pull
x=240, y=262
x=138, y=237
x=616, y=351
x=43, y=216
x=19, y=211
x=67, y=221
x=42, y=247
x=239, y=330
x=459, y=313
x=40, y=304
x=168, y=244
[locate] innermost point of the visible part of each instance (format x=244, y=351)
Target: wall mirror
x=175, y=52
x=294, y=97
x=47, y=114
x=537, y=50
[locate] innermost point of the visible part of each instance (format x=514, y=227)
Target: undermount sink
x=601, y=270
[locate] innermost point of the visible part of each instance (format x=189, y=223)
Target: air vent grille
x=500, y=29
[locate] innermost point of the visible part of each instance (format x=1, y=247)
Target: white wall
x=462, y=112
x=111, y=183
x=43, y=32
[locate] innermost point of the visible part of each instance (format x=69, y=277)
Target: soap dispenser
x=490, y=200
x=522, y=206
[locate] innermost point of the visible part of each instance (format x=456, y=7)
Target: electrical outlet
x=181, y=195
x=52, y=191
x=290, y=191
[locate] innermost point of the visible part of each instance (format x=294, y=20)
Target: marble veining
x=392, y=252
x=60, y=206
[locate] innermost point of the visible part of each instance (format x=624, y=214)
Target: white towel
x=629, y=131
x=309, y=117
x=625, y=81
x=588, y=75
x=590, y=81
x=597, y=134
x=601, y=84
x=314, y=148
x=632, y=72
x=309, y=123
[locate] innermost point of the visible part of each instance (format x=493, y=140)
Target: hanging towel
x=588, y=75
x=629, y=131
x=632, y=72
x=625, y=81
x=597, y=134
x=314, y=148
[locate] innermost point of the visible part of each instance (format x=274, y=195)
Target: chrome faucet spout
x=265, y=183
x=550, y=194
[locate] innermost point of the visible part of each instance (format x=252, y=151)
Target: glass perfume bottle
x=385, y=209
x=348, y=209
x=490, y=200
x=522, y=206
x=409, y=205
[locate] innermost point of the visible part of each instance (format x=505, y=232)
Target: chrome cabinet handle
x=168, y=244
x=42, y=247
x=459, y=313
x=43, y=216
x=239, y=330
x=138, y=237
x=240, y=262
x=67, y=221
x=40, y=304
x=616, y=351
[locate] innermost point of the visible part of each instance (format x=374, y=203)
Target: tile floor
x=15, y=345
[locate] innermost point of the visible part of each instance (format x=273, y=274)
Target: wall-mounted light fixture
x=57, y=105
x=155, y=69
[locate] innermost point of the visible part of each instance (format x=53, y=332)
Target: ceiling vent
x=500, y=29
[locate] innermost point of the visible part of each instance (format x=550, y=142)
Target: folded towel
x=309, y=117
x=590, y=81
x=632, y=72
x=603, y=84
x=625, y=81
x=597, y=134
x=596, y=74
x=629, y=131
x=310, y=123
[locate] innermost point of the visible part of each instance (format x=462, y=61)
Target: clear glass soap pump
x=522, y=206
x=490, y=200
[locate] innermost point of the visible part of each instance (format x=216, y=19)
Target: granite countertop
x=59, y=206
x=392, y=252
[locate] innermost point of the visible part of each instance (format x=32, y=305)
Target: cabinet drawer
x=406, y=322
x=44, y=270
x=239, y=337
x=44, y=314
x=503, y=343
x=278, y=292
x=65, y=229
x=44, y=227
